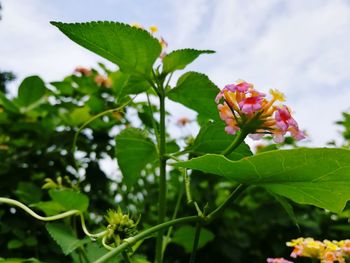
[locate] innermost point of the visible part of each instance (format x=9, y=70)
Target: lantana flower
x=244, y=108
x=326, y=251
x=278, y=260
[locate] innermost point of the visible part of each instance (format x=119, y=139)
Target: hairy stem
x=162, y=178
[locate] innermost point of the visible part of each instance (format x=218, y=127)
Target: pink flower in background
x=104, y=81
x=278, y=260
x=83, y=71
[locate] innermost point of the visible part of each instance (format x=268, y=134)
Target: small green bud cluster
x=120, y=225
x=60, y=183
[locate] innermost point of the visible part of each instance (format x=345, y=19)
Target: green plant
x=85, y=108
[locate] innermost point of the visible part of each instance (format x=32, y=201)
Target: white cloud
x=30, y=45
x=300, y=47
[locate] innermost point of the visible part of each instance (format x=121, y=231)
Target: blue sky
x=300, y=47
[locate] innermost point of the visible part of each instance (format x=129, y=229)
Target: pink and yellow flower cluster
x=326, y=251
x=244, y=108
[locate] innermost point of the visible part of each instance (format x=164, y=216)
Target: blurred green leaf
x=94, y=251
x=288, y=208
x=132, y=49
x=319, y=176
x=139, y=259
x=8, y=104
x=49, y=207
x=134, y=150
x=64, y=237
x=63, y=87
x=179, y=59
x=30, y=241
x=14, y=244
x=30, y=91
x=184, y=236
x=28, y=192
x=70, y=199
x=197, y=92
x=77, y=116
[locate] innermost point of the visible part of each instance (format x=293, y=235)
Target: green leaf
x=95, y=251
x=8, y=104
x=30, y=91
x=31, y=241
x=14, y=244
x=139, y=259
x=95, y=104
x=184, y=237
x=63, y=87
x=319, y=176
x=77, y=117
x=64, y=237
x=212, y=138
x=70, y=199
x=134, y=150
x=172, y=147
x=28, y=192
x=125, y=84
x=49, y=207
x=132, y=49
x=179, y=59
x=197, y=92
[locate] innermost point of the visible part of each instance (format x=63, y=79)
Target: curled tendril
x=53, y=218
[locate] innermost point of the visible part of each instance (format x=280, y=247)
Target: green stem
x=187, y=183
x=196, y=242
x=133, y=240
x=167, y=83
x=155, y=128
x=162, y=178
x=176, y=210
x=83, y=254
x=241, y=135
x=126, y=257
x=52, y=218
x=181, y=152
x=236, y=192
